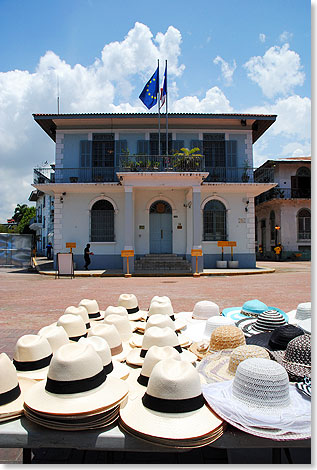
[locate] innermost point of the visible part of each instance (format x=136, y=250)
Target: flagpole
x=166, y=109
x=159, y=112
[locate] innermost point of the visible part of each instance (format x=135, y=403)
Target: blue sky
x=223, y=56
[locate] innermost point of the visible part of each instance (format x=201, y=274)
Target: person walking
x=87, y=254
x=49, y=250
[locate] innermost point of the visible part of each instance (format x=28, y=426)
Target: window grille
x=102, y=222
x=214, y=221
x=304, y=224
x=160, y=207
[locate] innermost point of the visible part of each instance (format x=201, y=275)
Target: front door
x=160, y=227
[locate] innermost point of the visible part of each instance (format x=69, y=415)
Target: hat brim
x=126, y=348
x=260, y=339
x=191, y=425
x=214, y=367
x=16, y=407
x=236, y=315
x=134, y=358
x=305, y=325
x=139, y=315
x=38, y=375
x=137, y=340
x=120, y=371
x=109, y=394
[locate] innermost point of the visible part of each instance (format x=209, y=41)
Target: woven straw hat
x=113, y=368
x=55, y=335
x=205, y=309
x=119, y=349
x=32, y=356
x=302, y=312
x=222, y=365
x=159, y=337
x=76, y=383
x=173, y=406
x=93, y=309
x=122, y=324
x=296, y=358
x=81, y=311
x=74, y=326
x=111, y=310
x=223, y=337
x=266, y=321
x=130, y=302
x=12, y=389
x=164, y=307
x=251, y=308
x=276, y=340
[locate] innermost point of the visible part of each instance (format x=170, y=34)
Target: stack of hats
x=266, y=321
x=92, y=307
x=301, y=316
x=172, y=411
x=119, y=349
x=81, y=311
x=163, y=306
x=12, y=390
x=251, y=308
x=223, y=337
x=296, y=359
x=78, y=394
x=261, y=401
x=130, y=303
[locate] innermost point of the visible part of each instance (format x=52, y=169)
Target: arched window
x=102, y=221
x=303, y=171
x=304, y=226
x=272, y=225
x=214, y=221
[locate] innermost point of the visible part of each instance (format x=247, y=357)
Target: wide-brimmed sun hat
x=93, y=309
x=276, y=340
x=266, y=321
x=222, y=365
x=130, y=303
x=302, y=312
x=112, y=310
x=113, y=368
x=296, y=358
x=55, y=335
x=122, y=324
x=159, y=337
x=251, y=308
x=223, y=337
x=76, y=383
x=164, y=307
x=205, y=309
x=74, y=326
x=119, y=349
x=12, y=389
x=32, y=356
x=81, y=311
x=261, y=401
x=173, y=407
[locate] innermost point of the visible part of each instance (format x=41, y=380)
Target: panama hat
x=93, y=309
x=32, y=356
x=302, y=312
x=261, y=401
x=12, y=389
x=74, y=326
x=112, y=310
x=223, y=337
x=113, y=368
x=172, y=407
x=222, y=365
x=165, y=308
x=159, y=337
x=119, y=349
x=276, y=340
x=251, y=308
x=122, y=324
x=130, y=303
x=81, y=311
x=200, y=330
x=296, y=358
x=161, y=298
x=76, y=384
x=266, y=321
x=55, y=335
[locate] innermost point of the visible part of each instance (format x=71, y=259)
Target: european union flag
x=149, y=93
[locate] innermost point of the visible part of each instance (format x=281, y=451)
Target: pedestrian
x=278, y=252
x=87, y=254
x=49, y=250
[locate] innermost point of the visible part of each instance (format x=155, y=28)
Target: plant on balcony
x=245, y=175
x=187, y=160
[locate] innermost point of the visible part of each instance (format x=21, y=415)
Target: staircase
x=162, y=264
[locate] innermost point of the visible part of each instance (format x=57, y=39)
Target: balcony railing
x=161, y=163
x=283, y=193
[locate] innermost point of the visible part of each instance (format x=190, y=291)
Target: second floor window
x=214, y=220
x=103, y=150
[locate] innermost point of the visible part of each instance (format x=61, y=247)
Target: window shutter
x=85, y=153
x=143, y=147
x=177, y=145
x=231, y=153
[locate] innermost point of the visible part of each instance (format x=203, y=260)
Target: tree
x=19, y=212
x=24, y=224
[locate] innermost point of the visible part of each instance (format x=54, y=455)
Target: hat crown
x=55, y=335
x=90, y=305
x=163, y=308
x=303, y=311
x=269, y=320
x=261, y=383
x=160, y=320
x=281, y=336
x=31, y=348
x=156, y=354
x=214, y=322
x=8, y=374
x=101, y=347
x=162, y=298
x=159, y=337
x=254, y=306
x=81, y=311
x=120, y=310
x=128, y=301
x=205, y=309
x=298, y=350
x=226, y=337
x=122, y=324
x=74, y=325
x=241, y=353
x=107, y=332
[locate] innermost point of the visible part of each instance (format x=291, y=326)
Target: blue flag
x=149, y=93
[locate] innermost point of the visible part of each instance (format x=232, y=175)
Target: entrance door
x=160, y=227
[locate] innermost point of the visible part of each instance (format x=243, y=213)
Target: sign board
x=232, y=243
x=70, y=245
x=65, y=264
x=198, y=252
x=225, y=243
x=127, y=253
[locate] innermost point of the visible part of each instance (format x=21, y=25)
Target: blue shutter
x=143, y=147
x=231, y=153
x=177, y=145
x=85, y=153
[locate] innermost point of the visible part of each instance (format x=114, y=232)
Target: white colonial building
x=117, y=184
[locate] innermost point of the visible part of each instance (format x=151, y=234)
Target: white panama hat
x=32, y=356
x=119, y=349
x=112, y=310
x=164, y=307
x=55, y=335
x=201, y=330
x=122, y=324
x=81, y=311
x=161, y=298
x=130, y=302
x=74, y=326
x=302, y=312
x=173, y=406
x=76, y=384
x=93, y=309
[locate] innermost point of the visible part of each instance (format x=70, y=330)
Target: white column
x=196, y=217
x=128, y=218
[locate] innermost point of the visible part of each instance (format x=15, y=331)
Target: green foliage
x=19, y=212
x=8, y=228
x=185, y=152
x=28, y=214
x=187, y=160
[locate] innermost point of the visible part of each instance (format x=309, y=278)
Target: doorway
x=160, y=227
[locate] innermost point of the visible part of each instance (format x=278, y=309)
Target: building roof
x=258, y=123
x=285, y=160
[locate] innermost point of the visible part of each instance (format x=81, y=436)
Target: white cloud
x=296, y=149
x=226, y=70
x=214, y=102
x=262, y=37
x=278, y=72
x=285, y=36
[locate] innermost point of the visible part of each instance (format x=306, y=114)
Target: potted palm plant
x=187, y=160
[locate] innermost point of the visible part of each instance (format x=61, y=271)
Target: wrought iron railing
x=162, y=163
x=283, y=193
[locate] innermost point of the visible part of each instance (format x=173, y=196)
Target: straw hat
x=266, y=321
x=74, y=326
x=205, y=309
x=122, y=324
x=276, y=340
x=173, y=406
x=111, y=310
x=130, y=302
x=113, y=368
x=81, y=311
x=32, y=356
x=222, y=365
x=93, y=309
x=302, y=312
x=55, y=335
x=119, y=349
x=296, y=358
x=261, y=401
x=12, y=389
x=200, y=330
x=223, y=337
x=76, y=383
x=251, y=308
x=164, y=307
x=158, y=337
x=162, y=298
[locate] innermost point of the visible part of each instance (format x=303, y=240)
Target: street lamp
x=277, y=228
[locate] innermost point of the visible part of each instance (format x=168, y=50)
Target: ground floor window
x=304, y=224
x=214, y=221
x=102, y=222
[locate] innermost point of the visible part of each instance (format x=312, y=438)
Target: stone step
x=168, y=262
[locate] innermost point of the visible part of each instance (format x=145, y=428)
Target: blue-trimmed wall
x=246, y=260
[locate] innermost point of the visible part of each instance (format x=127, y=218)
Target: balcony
x=283, y=193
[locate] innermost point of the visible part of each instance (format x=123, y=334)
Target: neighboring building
x=287, y=207
x=43, y=223
x=117, y=186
